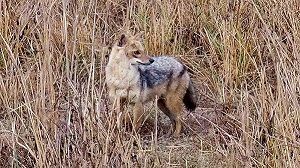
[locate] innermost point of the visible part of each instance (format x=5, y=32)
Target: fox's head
x=130, y=48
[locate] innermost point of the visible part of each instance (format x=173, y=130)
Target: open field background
x=243, y=56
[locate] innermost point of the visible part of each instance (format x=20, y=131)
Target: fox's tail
x=190, y=98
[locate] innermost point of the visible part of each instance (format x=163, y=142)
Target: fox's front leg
x=122, y=114
x=112, y=94
x=116, y=106
x=115, y=99
x=138, y=116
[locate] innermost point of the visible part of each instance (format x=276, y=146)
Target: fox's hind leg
x=175, y=106
x=161, y=103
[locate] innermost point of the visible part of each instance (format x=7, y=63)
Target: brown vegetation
x=243, y=55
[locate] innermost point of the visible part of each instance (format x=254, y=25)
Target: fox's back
x=162, y=70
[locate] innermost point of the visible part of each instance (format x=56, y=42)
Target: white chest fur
x=122, y=80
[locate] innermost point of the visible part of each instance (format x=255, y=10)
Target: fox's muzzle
x=147, y=63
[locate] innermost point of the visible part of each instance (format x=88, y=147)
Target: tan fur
x=122, y=81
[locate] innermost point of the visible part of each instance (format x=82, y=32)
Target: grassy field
x=242, y=55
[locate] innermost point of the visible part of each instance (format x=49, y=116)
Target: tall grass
x=243, y=56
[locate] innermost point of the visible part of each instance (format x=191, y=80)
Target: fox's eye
x=137, y=52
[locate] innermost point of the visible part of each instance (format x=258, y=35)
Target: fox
x=134, y=76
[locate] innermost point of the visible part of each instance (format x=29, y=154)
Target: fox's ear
x=122, y=40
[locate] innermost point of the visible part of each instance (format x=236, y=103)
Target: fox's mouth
x=146, y=63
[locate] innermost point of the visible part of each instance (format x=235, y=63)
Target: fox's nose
x=151, y=60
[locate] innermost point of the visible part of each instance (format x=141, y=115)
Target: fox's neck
x=121, y=71
x=117, y=62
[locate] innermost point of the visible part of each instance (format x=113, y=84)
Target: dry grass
x=244, y=56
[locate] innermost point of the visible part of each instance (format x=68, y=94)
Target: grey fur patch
x=162, y=70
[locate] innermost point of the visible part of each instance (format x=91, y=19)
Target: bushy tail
x=190, y=98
